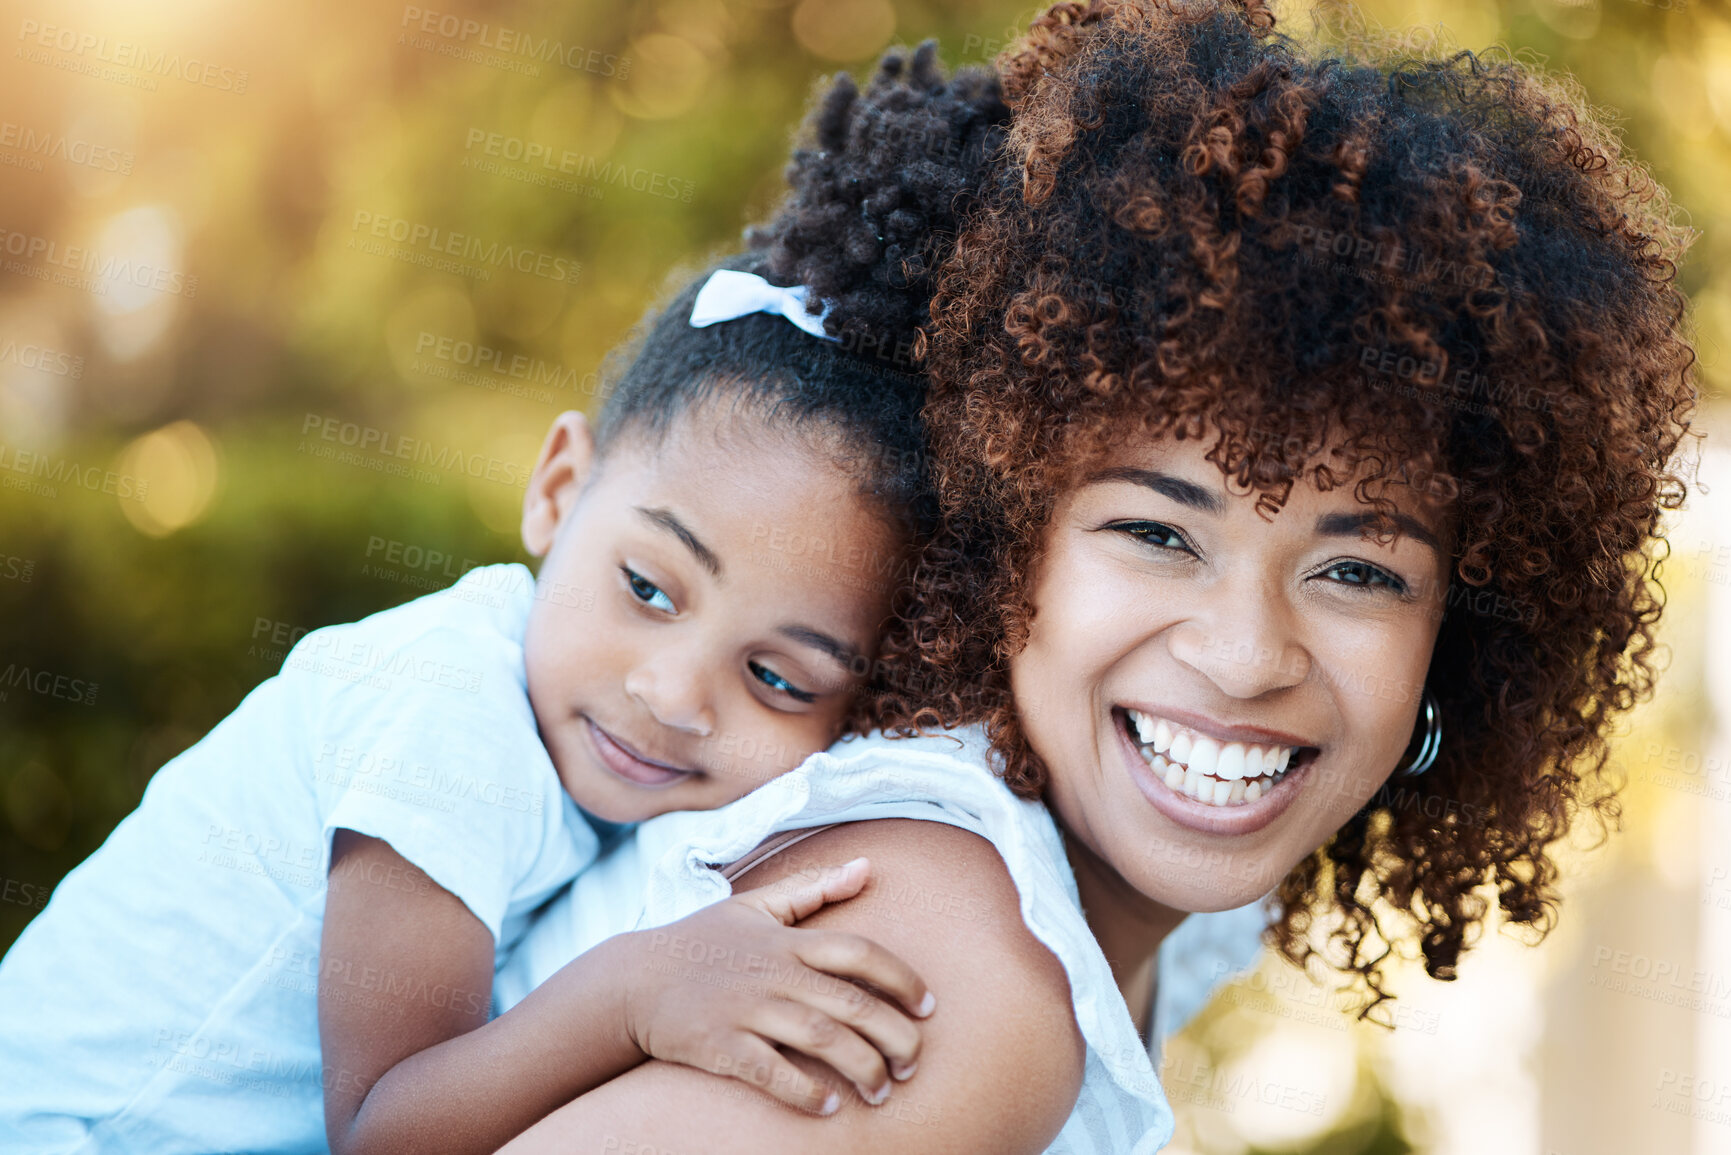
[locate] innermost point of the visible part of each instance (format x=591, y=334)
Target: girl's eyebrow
x=831, y=647
x=1354, y=525
x=666, y=519
x=1184, y=492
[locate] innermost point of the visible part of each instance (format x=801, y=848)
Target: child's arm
x=405, y=981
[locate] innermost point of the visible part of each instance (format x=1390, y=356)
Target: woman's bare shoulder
x=1002, y=1060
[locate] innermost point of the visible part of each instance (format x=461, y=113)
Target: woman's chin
x=1196, y=890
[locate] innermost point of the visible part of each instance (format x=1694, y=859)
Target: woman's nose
x=1243, y=643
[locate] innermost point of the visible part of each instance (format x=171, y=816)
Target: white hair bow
x=730, y=294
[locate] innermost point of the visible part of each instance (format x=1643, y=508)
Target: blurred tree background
x=289, y=293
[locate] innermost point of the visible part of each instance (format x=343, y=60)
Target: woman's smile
x=1207, y=777
x=1203, y=763
x=1186, y=781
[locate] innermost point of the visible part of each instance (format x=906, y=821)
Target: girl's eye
x=776, y=682
x=647, y=591
x=1360, y=573
x=1155, y=534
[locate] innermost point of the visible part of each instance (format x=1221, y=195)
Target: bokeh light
x=843, y=29
x=174, y=471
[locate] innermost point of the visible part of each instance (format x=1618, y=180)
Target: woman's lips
x=627, y=763
x=1242, y=817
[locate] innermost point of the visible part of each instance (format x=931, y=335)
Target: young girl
x=1199, y=583
x=293, y=939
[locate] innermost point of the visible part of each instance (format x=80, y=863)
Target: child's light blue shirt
x=166, y=998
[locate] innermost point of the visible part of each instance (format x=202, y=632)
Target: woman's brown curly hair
x=1352, y=264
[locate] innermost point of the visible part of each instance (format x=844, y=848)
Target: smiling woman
x=1183, y=489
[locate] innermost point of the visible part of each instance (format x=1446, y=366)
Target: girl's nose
x=675, y=692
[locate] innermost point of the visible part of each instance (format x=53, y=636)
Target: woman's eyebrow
x=1354, y=525
x=832, y=647
x=666, y=519
x=1183, y=492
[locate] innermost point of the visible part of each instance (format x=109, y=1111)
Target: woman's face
x=1215, y=692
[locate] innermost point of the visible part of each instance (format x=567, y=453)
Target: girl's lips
x=627, y=763
x=1240, y=818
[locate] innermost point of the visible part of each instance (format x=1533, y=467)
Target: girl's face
x=708, y=605
x=1214, y=693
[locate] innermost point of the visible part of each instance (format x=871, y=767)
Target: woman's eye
x=1156, y=534
x=1360, y=573
x=647, y=591
x=776, y=682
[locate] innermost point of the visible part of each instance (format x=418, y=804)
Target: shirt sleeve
x=431, y=746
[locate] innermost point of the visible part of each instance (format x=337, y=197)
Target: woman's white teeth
x=1231, y=764
x=1145, y=729
x=1179, y=751
x=1221, y=774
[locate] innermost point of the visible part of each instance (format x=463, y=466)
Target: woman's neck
x=1128, y=925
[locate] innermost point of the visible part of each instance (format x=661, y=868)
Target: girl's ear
x=560, y=472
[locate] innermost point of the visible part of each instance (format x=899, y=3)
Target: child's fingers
x=853, y=956
x=809, y=1031
x=800, y=896
x=878, y=1021
x=753, y=1061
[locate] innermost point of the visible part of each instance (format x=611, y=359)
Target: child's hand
x=720, y=989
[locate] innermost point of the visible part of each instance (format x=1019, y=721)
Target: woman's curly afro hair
x=1358, y=266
